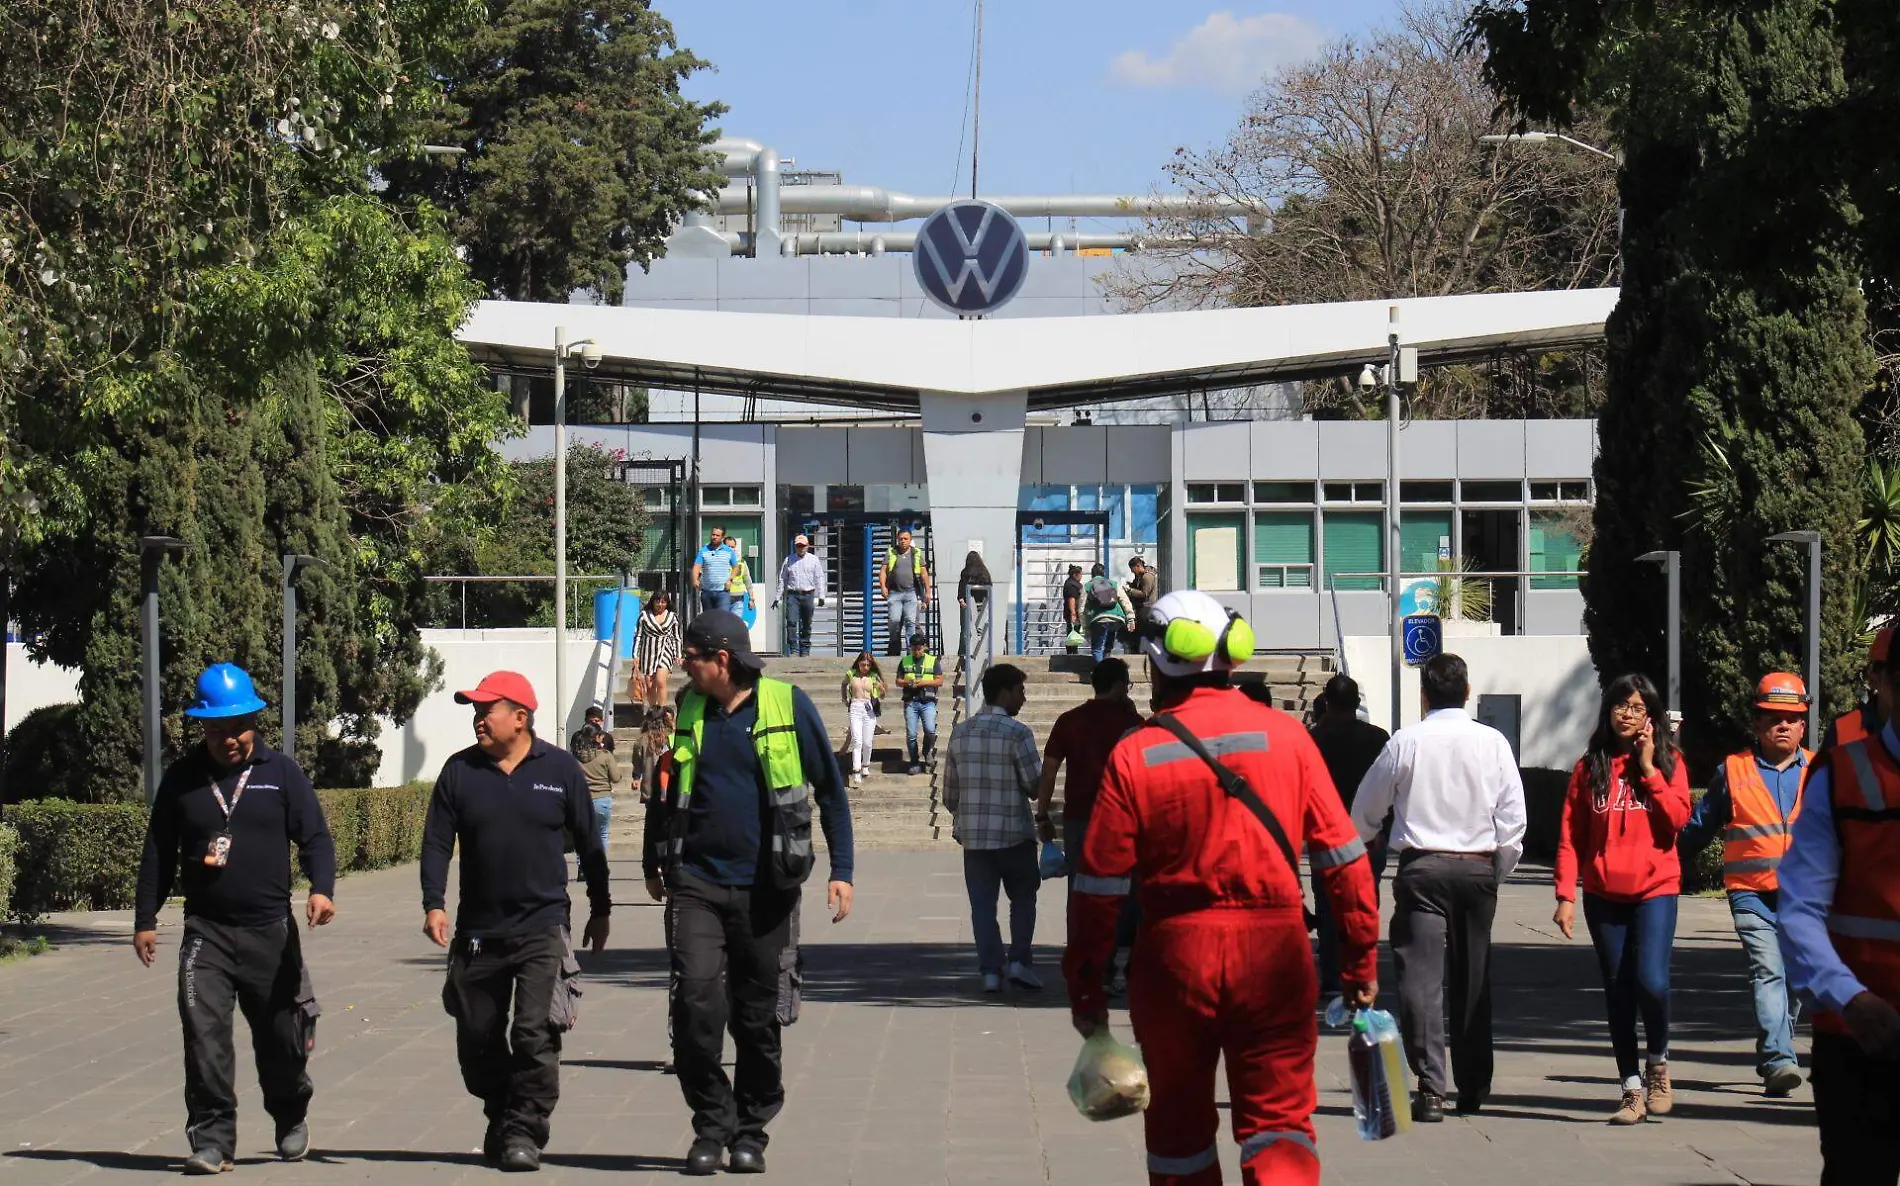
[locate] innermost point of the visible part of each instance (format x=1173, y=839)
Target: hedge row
x=86, y=855
x=9, y=843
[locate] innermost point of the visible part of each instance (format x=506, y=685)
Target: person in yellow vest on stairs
x=1753, y=801
x=904, y=583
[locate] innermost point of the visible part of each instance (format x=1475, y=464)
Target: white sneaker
x=992, y=982
x=1024, y=977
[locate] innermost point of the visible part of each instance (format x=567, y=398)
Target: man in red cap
x=510, y=801
x=1753, y=801
x=1223, y=966
x=1871, y=716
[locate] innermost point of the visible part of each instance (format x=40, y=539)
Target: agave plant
x=1879, y=525
x=1715, y=497
x=1460, y=596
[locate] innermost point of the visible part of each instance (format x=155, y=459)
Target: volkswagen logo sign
x=971, y=257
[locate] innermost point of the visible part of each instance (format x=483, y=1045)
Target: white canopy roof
x=882, y=362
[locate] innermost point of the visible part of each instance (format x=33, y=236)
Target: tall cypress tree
x=1738, y=351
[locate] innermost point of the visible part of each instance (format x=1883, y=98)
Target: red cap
x=501, y=685
x=1883, y=642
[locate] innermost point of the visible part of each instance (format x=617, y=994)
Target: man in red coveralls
x=1224, y=965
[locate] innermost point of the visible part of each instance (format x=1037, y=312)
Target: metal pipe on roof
x=765, y=169
x=870, y=203
x=880, y=242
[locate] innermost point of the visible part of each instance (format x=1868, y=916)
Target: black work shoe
x=746, y=1159
x=1428, y=1108
x=293, y=1140
x=520, y=1157
x=207, y=1161
x=1469, y=1105
x=702, y=1159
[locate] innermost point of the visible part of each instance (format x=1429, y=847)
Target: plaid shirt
x=990, y=775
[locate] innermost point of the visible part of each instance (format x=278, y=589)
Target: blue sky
x=1077, y=97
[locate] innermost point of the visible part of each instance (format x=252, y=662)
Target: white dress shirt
x=1452, y=786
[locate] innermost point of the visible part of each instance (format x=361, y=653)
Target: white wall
x=33, y=685
x=1552, y=673
x=441, y=726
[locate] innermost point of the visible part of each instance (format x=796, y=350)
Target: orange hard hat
x=1883, y=642
x=1781, y=692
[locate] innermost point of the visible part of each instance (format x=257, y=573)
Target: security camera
x=590, y=355
x=1367, y=379
x=1039, y=524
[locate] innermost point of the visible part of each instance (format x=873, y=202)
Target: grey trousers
x=1443, y=907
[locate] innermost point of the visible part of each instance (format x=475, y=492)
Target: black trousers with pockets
x=510, y=1063
x=728, y=943
x=258, y=970
x=1443, y=907
x=1857, y=1104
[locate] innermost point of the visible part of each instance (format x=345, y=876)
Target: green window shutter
x=1553, y=549
x=1419, y=533
x=1353, y=545
x=1283, y=537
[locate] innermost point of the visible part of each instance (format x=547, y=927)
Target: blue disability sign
x=1424, y=637
x=971, y=257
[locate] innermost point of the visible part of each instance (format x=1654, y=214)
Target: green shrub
x=86, y=855
x=1702, y=871
x=47, y=758
x=75, y=855
x=9, y=845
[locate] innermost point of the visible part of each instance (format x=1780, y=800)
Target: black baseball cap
x=720, y=630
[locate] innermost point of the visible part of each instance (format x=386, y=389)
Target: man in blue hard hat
x=227, y=813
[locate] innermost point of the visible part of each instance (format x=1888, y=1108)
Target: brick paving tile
x=899, y=1073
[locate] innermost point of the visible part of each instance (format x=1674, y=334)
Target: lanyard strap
x=237, y=793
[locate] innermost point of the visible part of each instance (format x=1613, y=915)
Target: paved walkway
x=899, y=1073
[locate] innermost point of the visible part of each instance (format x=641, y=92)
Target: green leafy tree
x=1739, y=351
x=580, y=151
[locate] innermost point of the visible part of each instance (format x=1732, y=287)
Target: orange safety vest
x=1851, y=727
x=1756, y=837
x=1864, y=918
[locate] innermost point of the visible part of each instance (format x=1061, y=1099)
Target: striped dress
x=657, y=643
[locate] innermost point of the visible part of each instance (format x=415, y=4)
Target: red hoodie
x=1627, y=846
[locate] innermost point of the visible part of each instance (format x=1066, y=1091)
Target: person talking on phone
x=1627, y=802
x=227, y=813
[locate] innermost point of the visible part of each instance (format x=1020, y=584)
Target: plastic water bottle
x=1379, y=1089
x=1338, y=1013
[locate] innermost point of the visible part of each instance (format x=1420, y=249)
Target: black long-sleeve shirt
x=252, y=889
x=511, y=826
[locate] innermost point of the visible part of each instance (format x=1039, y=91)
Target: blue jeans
x=1774, y=1013
x=1633, y=941
x=798, y=607
x=1013, y=871
x=603, y=811
x=921, y=716
x=900, y=610
x=714, y=599
x=1102, y=636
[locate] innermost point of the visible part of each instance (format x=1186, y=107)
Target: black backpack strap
x=1235, y=786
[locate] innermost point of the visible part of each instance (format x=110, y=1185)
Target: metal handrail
x=466, y=581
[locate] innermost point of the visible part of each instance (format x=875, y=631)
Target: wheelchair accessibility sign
x=1424, y=637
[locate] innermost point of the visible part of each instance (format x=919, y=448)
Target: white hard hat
x=1187, y=633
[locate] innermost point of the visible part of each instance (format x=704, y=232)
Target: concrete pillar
x=973, y=464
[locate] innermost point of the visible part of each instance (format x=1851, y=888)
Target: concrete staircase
x=897, y=812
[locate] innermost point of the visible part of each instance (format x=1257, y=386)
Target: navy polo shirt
x=725, y=815
x=512, y=828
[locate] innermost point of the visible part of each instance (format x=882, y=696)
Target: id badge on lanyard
x=218, y=854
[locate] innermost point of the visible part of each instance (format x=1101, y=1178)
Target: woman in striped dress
x=656, y=651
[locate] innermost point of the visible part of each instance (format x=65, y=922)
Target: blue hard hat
x=225, y=690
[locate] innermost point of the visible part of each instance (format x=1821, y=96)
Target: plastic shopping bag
x=1381, y=1086
x=1076, y=639
x=1052, y=863
x=1110, y=1080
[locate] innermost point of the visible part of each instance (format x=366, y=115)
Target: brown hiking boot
x=1661, y=1099
x=1633, y=1111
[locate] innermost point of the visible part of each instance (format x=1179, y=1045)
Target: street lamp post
x=1559, y=138
x=152, y=552
x=589, y=354
x=1812, y=539
x=292, y=563
x=1671, y=562
x=1395, y=609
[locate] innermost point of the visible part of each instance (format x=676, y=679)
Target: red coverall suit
x=1222, y=963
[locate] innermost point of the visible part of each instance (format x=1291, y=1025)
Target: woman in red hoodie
x=1628, y=798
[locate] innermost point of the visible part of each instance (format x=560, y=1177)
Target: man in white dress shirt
x=1458, y=828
